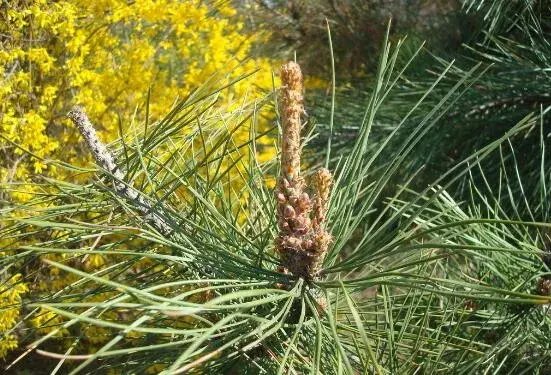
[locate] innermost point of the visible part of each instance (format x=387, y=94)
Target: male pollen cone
x=292, y=108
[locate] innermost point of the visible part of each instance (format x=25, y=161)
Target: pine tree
x=339, y=278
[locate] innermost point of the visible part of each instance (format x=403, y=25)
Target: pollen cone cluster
x=302, y=241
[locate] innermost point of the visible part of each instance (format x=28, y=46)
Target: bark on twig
x=106, y=160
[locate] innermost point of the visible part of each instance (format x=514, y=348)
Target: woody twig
x=106, y=160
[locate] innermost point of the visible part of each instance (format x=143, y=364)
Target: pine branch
x=106, y=160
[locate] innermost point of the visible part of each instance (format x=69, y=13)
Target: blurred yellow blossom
x=10, y=301
x=106, y=55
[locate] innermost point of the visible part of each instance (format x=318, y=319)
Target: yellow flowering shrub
x=106, y=55
x=10, y=301
x=110, y=56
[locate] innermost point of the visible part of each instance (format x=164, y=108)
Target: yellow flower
x=10, y=301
